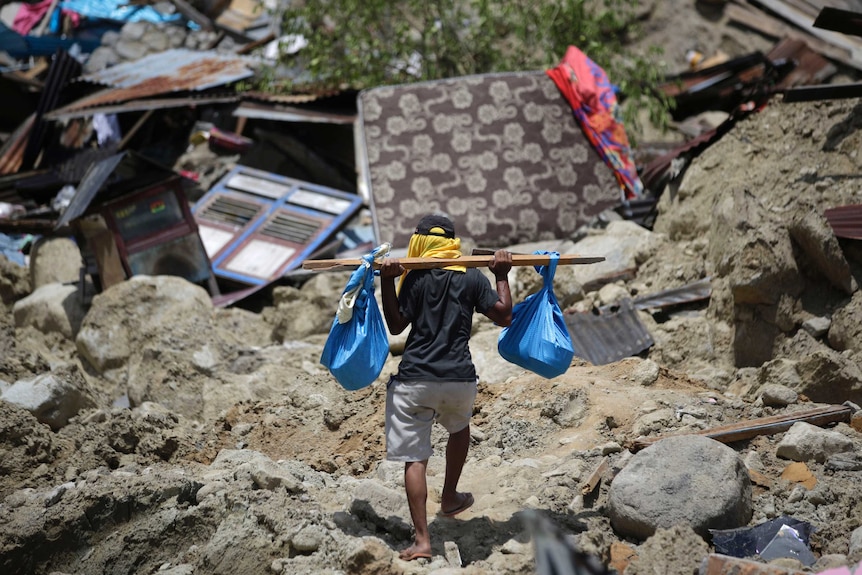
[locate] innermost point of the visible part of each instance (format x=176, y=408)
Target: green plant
x=364, y=43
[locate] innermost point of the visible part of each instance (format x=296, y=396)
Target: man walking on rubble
x=436, y=379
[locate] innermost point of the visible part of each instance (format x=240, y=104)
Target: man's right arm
x=395, y=320
x=501, y=312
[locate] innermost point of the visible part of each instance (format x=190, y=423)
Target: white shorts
x=412, y=408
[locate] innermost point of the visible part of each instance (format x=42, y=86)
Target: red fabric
x=29, y=15
x=590, y=94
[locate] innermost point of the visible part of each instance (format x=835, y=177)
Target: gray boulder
x=806, y=442
x=53, y=398
x=689, y=479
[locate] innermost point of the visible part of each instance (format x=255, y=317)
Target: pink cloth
x=857, y=570
x=29, y=15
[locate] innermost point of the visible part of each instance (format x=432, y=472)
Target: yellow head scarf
x=433, y=246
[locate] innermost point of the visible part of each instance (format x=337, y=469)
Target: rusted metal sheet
x=608, y=337
x=846, y=221
x=716, y=564
x=12, y=152
x=163, y=73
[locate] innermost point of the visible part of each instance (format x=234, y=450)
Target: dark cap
x=436, y=225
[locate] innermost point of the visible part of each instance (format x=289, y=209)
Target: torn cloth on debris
x=594, y=104
x=29, y=15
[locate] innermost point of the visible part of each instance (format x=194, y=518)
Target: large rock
x=814, y=235
x=14, y=281
x=686, y=479
x=806, y=442
x=383, y=508
x=621, y=244
x=52, y=308
x=55, y=260
x=749, y=247
x=830, y=377
x=125, y=317
x=53, y=398
x=308, y=310
x=845, y=331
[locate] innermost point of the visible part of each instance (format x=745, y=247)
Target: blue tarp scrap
x=11, y=246
x=119, y=10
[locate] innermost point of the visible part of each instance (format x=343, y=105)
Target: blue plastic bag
x=357, y=345
x=538, y=339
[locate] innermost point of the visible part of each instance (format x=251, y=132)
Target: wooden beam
x=806, y=22
x=186, y=9
x=764, y=426
x=595, y=477
x=466, y=261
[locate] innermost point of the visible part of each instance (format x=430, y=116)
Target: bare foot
x=415, y=552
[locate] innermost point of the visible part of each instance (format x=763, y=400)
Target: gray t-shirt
x=440, y=305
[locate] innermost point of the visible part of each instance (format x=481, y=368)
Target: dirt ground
x=154, y=489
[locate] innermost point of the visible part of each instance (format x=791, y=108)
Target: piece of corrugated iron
x=846, y=221
x=608, y=337
x=695, y=291
x=62, y=70
x=175, y=70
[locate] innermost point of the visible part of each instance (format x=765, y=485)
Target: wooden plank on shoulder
x=466, y=261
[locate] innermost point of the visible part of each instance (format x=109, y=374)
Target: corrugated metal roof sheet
x=695, y=291
x=608, y=337
x=163, y=73
x=846, y=221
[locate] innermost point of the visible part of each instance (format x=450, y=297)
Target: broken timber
x=466, y=261
x=765, y=426
x=595, y=477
